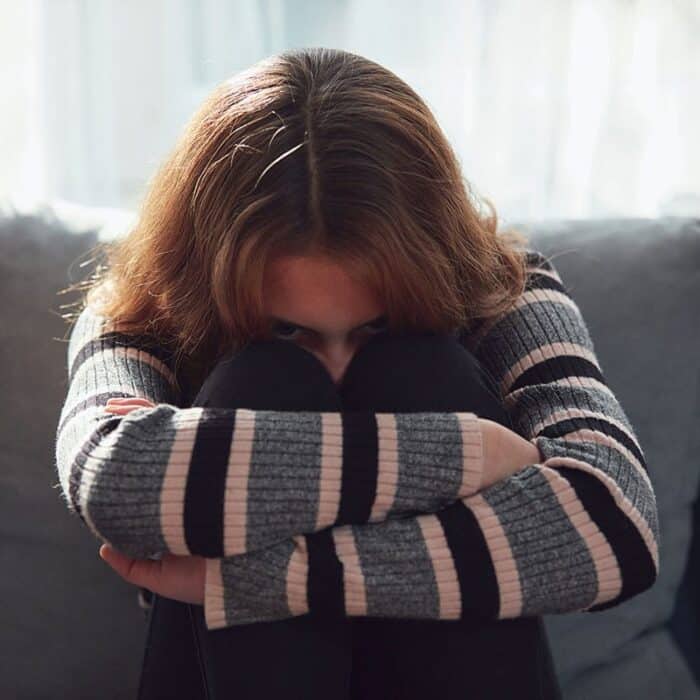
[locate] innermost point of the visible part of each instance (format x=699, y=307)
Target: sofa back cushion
x=637, y=283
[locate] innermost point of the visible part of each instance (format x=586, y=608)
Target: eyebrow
x=313, y=330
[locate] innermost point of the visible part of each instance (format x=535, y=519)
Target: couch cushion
x=637, y=283
x=71, y=628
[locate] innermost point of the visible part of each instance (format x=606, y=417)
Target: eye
x=379, y=325
x=285, y=330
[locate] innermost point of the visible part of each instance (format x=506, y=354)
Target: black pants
x=358, y=658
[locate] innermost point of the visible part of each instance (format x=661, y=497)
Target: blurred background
x=578, y=119
x=556, y=108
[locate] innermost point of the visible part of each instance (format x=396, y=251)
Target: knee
x=270, y=374
x=420, y=372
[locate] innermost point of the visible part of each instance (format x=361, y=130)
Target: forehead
x=317, y=292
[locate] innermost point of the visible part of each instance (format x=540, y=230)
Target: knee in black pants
x=409, y=373
x=424, y=658
x=304, y=656
x=389, y=373
x=405, y=373
x=270, y=375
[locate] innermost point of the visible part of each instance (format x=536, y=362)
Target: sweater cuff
x=214, y=610
x=472, y=453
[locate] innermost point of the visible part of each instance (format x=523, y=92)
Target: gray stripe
x=572, y=573
x=137, y=474
x=430, y=461
x=529, y=328
x=399, y=579
x=255, y=587
x=286, y=462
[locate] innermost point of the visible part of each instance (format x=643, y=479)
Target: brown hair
x=309, y=151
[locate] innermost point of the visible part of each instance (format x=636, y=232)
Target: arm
x=218, y=482
x=578, y=530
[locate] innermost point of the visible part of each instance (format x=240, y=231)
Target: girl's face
x=312, y=301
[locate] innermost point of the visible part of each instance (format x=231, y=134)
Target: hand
x=177, y=577
x=505, y=452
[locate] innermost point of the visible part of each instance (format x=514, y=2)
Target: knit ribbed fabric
x=316, y=511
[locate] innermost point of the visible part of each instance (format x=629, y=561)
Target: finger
x=131, y=399
x=120, y=410
x=125, y=407
x=140, y=572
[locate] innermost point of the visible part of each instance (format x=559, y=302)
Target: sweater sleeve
x=218, y=481
x=578, y=531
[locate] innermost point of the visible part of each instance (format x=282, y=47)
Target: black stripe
x=637, y=567
x=359, y=467
x=555, y=368
x=537, y=259
x=206, y=481
x=563, y=427
x=478, y=584
x=78, y=465
x=537, y=280
x=325, y=585
x=565, y=366
x=111, y=340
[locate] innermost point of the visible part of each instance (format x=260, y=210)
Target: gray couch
x=72, y=628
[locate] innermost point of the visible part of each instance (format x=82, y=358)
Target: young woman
x=355, y=440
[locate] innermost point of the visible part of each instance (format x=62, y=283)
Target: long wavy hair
x=311, y=151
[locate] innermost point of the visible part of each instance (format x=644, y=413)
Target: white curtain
x=556, y=108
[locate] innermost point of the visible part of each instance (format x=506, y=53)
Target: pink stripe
x=387, y=466
x=472, y=453
x=504, y=563
x=99, y=359
x=80, y=415
x=548, y=273
x=214, y=611
x=566, y=413
x=621, y=500
x=105, y=325
x=607, y=569
x=236, y=491
x=591, y=435
x=330, y=478
x=143, y=357
x=115, y=386
x=297, y=578
x=443, y=567
x=570, y=381
x=532, y=296
x=353, y=576
x=540, y=354
x=527, y=297
x=172, y=494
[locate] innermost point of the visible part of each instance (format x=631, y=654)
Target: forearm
x=404, y=560
x=228, y=481
x=575, y=529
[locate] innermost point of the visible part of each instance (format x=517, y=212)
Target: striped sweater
x=359, y=513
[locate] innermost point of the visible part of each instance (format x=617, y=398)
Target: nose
x=336, y=359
